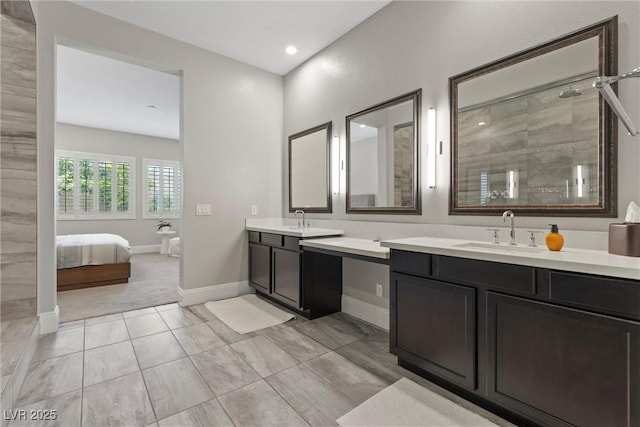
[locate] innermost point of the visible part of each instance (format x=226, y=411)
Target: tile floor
x=14, y=334
x=169, y=366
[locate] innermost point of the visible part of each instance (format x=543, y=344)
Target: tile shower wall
x=541, y=137
x=18, y=160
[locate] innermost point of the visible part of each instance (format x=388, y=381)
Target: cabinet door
x=260, y=266
x=433, y=327
x=562, y=366
x=321, y=283
x=286, y=275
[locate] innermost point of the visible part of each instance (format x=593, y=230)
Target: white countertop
x=349, y=245
x=289, y=230
x=568, y=259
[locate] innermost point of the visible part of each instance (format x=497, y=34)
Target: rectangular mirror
x=382, y=157
x=310, y=170
x=531, y=134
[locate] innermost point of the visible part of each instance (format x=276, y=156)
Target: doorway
x=118, y=163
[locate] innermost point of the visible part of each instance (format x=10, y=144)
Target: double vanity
x=547, y=338
x=543, y=338
x=551, y=338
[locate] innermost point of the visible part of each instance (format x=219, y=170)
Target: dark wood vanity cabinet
x=545, y=347
x=285, y=267
x=436, y=328
x=562, y=366
x=260, y=266
x=308, y=283
x=274, y=266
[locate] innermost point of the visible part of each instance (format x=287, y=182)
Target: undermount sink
x=500, y=247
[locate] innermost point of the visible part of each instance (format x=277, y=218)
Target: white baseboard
x=49, y=321
x=145, y=249
x=213, y=293
x=368, y=312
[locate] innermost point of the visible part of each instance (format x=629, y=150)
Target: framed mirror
x=531, y=134
x=310, y=170
x=382, y=157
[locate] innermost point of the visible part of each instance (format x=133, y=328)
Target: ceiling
x=96, y=91
x=253, y=32
x=100, y=92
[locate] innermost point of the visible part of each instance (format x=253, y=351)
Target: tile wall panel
x=17, y=157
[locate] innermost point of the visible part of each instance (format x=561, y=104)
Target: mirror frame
x=313, y=209
x=607, y=32
x=416, y=209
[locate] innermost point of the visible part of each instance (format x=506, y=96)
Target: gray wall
x=231, y=140
x=18, y=164
x=360, y=279
x=411, y=45
x=137, y=231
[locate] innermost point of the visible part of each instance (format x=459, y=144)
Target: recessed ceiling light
x=291, y=50
x=481, y=123
x=363, y=126
x=151, y=106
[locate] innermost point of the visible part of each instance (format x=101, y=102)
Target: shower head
x=570, y=93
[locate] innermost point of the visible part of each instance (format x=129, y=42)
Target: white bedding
x=75, y=250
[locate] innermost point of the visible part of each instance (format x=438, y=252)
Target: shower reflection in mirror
x=530, y=131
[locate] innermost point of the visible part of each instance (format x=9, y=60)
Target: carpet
x=154, y=281
x=405, y=403
x=248, y=313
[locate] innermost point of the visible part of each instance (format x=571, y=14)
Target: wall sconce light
x=512, y=185
x=431, y=147
x=335, y=165
x=581, y=180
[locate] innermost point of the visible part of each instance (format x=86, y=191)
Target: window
x=162, y=191
x=95, y=186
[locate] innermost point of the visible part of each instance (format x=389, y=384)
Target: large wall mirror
x=382, y=157
x=531, y=134
x=309, y=170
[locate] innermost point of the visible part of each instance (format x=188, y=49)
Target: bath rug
x=405, y=403
x=248, y=313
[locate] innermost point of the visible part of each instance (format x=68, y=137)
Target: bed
x=88, y=260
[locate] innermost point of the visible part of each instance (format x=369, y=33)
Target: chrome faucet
x=299, y=211
x=512, y=233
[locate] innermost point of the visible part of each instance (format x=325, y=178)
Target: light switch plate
x=202, y=210
x=254, y=209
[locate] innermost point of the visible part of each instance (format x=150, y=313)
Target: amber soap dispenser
x=554, y=240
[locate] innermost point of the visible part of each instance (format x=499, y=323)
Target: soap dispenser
x=554, y=240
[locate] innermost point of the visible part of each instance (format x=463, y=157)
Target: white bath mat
x=248, y=313
x=406, y=403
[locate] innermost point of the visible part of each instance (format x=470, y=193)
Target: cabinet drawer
x=510, y=277
x=291, y=242
x=254, y=236
x=414, y=263
x=603, y=294
x=271, y=239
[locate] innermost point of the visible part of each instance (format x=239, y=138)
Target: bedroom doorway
x=118, y=209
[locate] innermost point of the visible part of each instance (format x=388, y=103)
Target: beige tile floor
x=169, y=366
